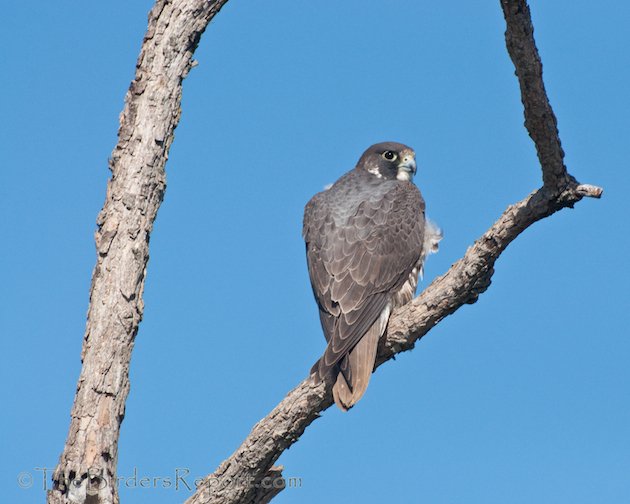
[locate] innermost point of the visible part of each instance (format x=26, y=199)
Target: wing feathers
x=359, y=257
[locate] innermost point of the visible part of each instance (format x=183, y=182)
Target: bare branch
x=273, y=484
x=134, y=194
x=589, y=191
x=471, y=275
x=540, y=120
x=87, y=466
x=238, y=477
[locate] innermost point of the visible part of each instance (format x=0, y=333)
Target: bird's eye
x=389, y=155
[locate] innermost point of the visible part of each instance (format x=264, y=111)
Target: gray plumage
x=366, y=241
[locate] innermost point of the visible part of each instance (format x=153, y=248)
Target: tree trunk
x=87, y=466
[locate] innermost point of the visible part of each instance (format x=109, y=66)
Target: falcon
x=366, y=241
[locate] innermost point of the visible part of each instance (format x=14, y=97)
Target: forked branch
x=151, y=113
x=238, y=478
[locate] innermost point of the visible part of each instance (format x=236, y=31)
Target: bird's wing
x=355, y=266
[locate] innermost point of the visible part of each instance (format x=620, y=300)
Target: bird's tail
x=361, y=361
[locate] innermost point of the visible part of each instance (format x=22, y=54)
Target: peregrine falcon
x=366, y=241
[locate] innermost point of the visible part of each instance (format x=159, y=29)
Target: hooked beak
x=407, y=167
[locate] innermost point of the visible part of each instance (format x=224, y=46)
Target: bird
x=367, y=238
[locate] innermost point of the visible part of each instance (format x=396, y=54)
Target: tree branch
x=87, y=466
x=238, y=478
x=540, y=120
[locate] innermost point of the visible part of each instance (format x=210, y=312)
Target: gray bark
x=87, y=465
x=236, y=479
x=134, y=193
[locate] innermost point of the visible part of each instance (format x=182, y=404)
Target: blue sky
x=523, y=397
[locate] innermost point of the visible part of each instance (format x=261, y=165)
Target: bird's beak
x=407, y=167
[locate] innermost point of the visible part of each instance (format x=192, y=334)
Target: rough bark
x=239, y=477
x=540, y=120
x=87, y=465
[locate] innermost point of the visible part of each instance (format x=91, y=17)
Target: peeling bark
x=87, y=466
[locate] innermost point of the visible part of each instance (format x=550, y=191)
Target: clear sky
x=523, y=397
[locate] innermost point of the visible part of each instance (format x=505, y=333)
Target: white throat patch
x=403, y=174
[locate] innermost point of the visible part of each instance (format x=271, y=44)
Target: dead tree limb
x=239, y=478
x=87, y=466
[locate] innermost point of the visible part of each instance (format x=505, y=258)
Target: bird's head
x=389, y=160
